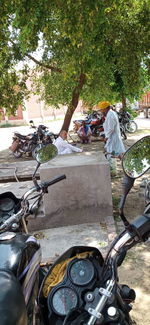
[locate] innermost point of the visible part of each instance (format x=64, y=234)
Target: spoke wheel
x=131, y=126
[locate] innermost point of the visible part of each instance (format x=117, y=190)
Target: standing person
x=63, y=146
x=84, y=133
x=114, y=145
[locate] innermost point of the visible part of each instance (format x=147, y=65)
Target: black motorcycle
x=126, y=122
x=44, y=137
x=20, y=253
x=82, y=287
x=31, y=143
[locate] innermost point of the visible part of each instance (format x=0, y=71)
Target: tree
x=90, y=49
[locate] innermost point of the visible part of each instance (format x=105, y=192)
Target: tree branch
x=47, y=66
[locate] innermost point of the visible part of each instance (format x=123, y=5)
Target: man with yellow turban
x=114, y=145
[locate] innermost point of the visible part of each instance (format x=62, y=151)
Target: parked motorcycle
x=94, y=120
x=44, y=137
x=82, y=287
x=31, y=143
x=20, y=253
x=126, y=121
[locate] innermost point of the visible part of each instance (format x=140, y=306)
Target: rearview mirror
x=46, y=153
x=136, y=160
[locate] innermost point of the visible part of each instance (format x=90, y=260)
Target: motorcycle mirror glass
x=136, y=160
x=46, y=153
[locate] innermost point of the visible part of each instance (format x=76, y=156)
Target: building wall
x=145, y=101
x=35, y=109
x=18, y=115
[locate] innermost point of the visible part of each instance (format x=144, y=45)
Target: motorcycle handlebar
x=16, y=217
x=53, y=181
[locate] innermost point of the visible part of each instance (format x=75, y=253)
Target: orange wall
x=18, y=116
x=145, y=101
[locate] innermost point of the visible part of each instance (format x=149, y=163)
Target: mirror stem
x=127, y=184
x=34, y=178
x=38, y=165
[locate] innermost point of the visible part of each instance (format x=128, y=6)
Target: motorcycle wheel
x=17, y=154
x=131, y=126
x=36, y=149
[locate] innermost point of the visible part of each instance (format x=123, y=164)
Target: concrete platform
x=22, y=169
x=56, y=241
x=84, y=196
x=18, y=188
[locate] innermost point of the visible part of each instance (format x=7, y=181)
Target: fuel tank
x=18, y=252
x=12, y=303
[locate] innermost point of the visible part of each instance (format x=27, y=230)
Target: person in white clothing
x=114, y=145
x=63, y=146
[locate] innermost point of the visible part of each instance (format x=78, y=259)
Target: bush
x=9, y=125
x=132, y=112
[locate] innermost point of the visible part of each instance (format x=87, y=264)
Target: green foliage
x=132, y=112
x=7, y=125
x=90, y=49
x=12, y=91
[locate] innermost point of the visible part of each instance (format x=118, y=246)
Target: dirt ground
x=135, y=270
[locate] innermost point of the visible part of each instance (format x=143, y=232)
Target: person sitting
x=84, y=133
x=63, y=146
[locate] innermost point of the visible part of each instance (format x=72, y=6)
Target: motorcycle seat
x=12, y=302
x=43, y=127
x=24, y=137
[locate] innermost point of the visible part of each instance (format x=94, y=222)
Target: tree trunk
x=74, y=103
x=124, y=103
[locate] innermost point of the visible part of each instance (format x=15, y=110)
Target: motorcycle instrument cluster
x=81, y=276
x=6, y=204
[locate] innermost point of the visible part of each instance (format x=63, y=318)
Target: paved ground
x=56, y=241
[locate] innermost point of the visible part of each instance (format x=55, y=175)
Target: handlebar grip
x=53, y=181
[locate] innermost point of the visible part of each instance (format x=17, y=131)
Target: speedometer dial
x=81, y=272
x=63, y=300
